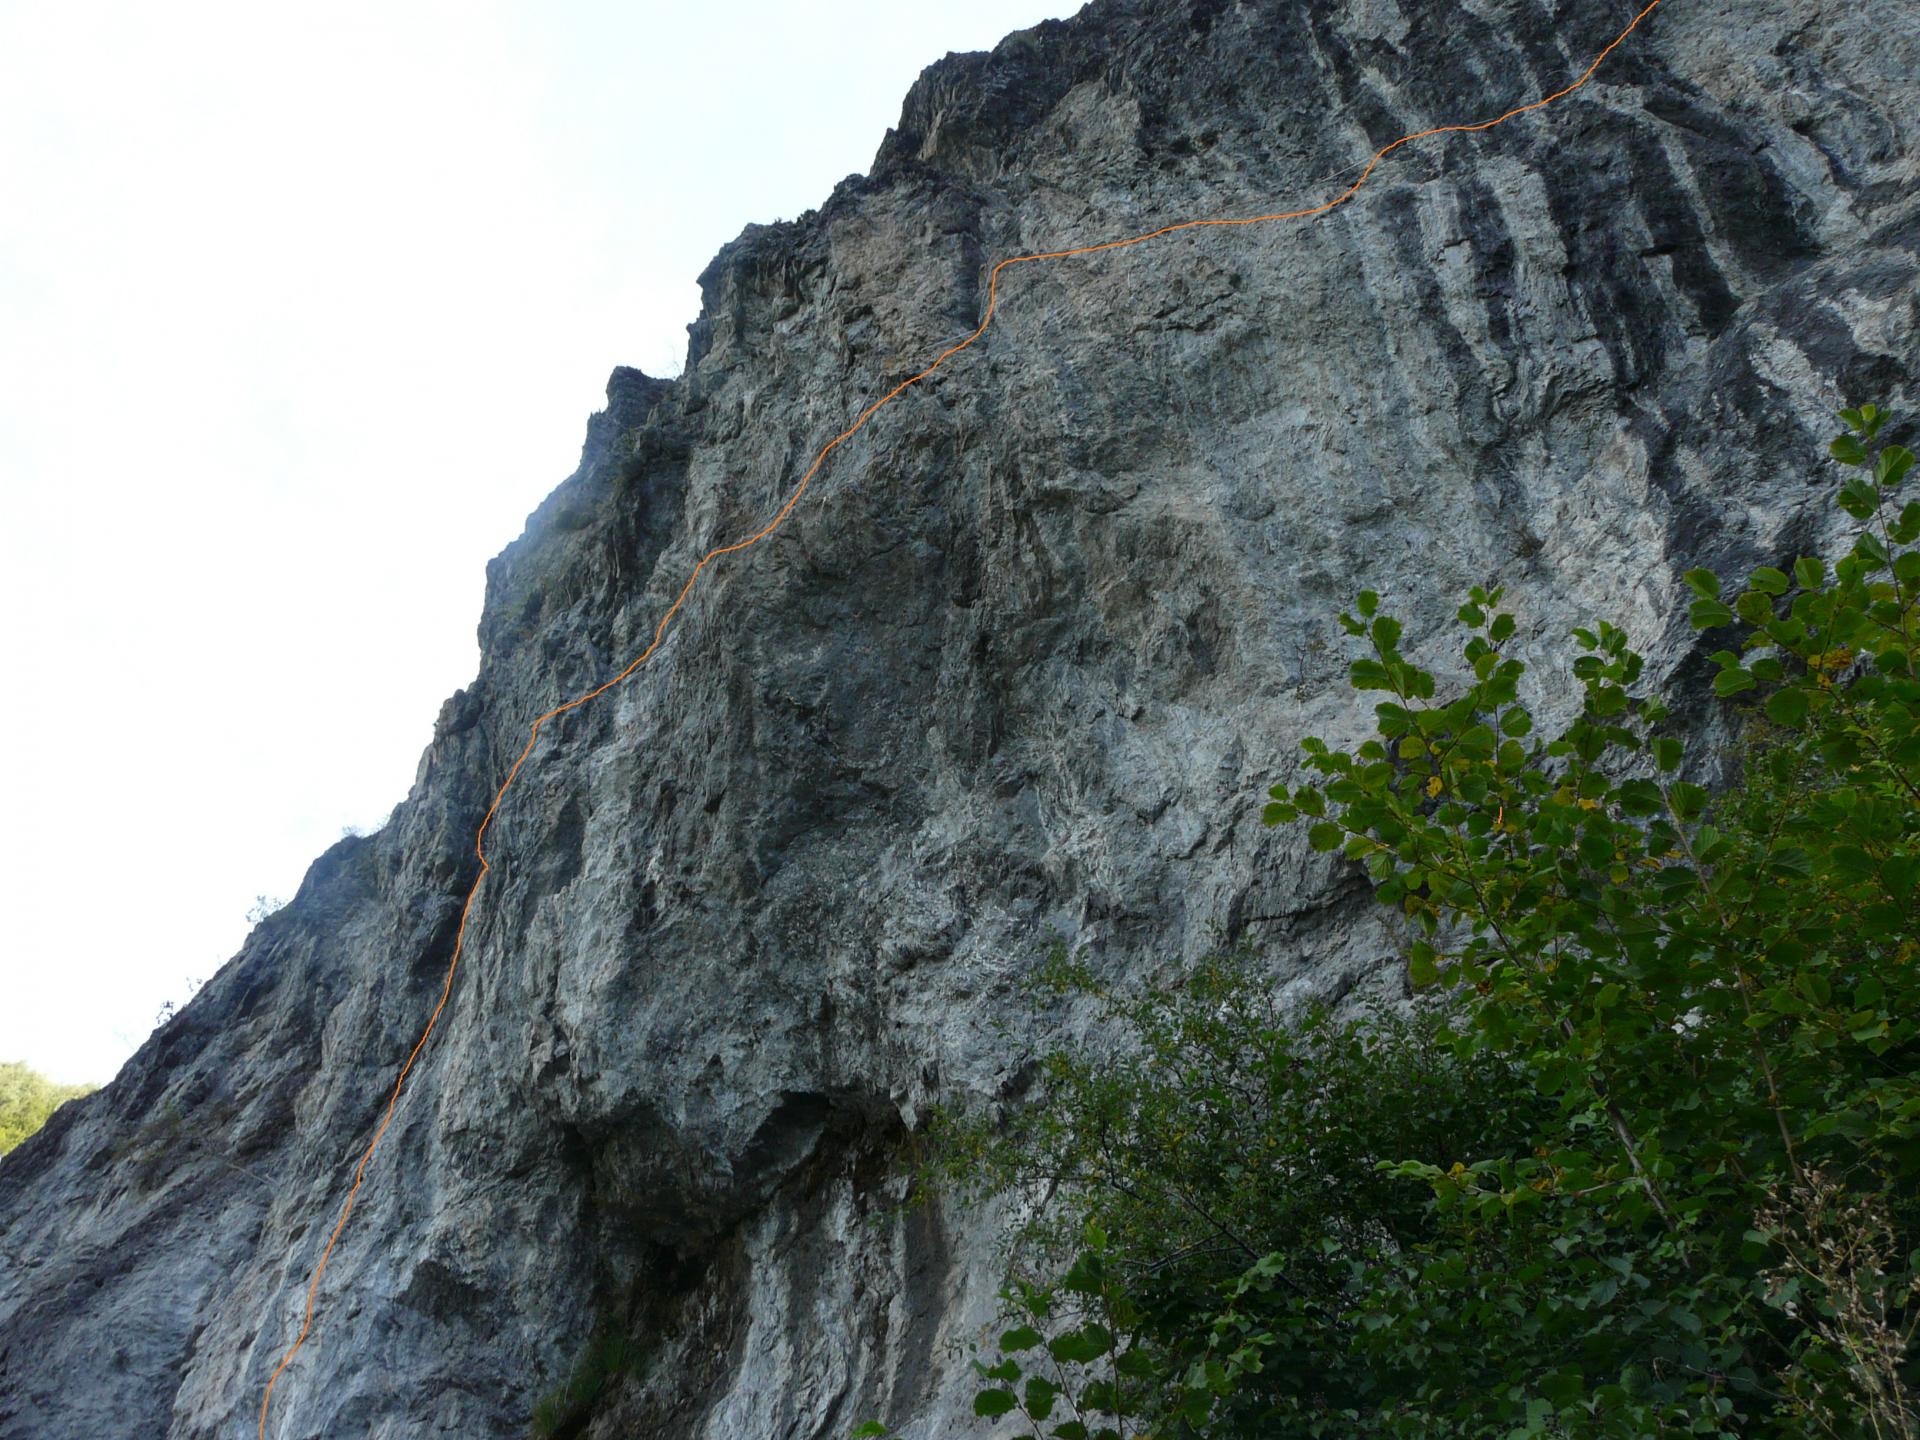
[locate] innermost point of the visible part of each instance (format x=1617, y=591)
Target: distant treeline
x=28, y=1099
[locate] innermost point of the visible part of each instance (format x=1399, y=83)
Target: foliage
x=1165, y=1174
x=1722, y=996
x=28, y=1100
x=1661, y=1156
x=609, y=1355
x=1841, y=1246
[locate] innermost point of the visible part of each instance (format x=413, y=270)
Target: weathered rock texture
x=1024, y=659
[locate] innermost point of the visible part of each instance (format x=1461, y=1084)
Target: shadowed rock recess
x=1023, y=661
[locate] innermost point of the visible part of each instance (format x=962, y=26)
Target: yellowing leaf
x=1433, y=785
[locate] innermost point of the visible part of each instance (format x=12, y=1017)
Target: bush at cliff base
x=1649, y=1161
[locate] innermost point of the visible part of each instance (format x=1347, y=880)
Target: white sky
x=302, y=310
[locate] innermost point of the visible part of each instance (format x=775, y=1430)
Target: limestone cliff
x=1024, y=660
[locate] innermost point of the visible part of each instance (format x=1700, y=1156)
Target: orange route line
x=659, y=633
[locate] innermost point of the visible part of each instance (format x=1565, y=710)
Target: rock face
x=1022, y=661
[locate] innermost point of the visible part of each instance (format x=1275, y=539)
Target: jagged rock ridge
x=1024, y=661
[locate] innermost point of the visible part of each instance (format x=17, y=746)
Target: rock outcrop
x=1022, y=662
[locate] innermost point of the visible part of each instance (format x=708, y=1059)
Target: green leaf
x=1386, y=632
x=1859, y=499
x=1639, y=797
x=1675, y=882
x=991, y=1403
x=1688, y=801
x=1847, y=450
x=1769, y=580
x=1814, y=986
x=1102, y=1397
x=1368, y=602
x=1891, y=464
x=869, y=1430
x=1810, y=572
x=1081, y=1346
x=1369, y=674
x=1703, y=583
x=1325, y=836
x=1791, y=863
x=1709, y=615
x=1787, y=707
x=1564, y=1387
x=1667, y=752
x=1853, y=861
x=1086, y=1276
x=1732, y=681
x=1476, y=743
x=1040, y=1396
x=1136, y=1364
x=1515, y=722
x=1501, y=628
x=1023, y=1337
x=1867, y=420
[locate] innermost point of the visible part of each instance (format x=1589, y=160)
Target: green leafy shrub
x=1220, y=1138
x=1651, y=1166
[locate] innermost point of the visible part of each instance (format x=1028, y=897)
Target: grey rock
x=1022, y=661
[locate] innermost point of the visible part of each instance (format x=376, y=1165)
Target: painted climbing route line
x=659, y=634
